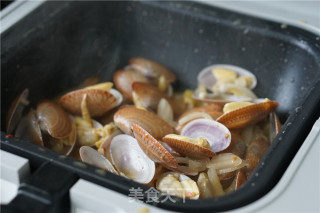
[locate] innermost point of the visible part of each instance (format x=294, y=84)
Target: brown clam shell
x=237, y=147
x=152, y=123
x=241, y=178
x=15, y=111
x=98, y=101
x=187, y=148
x=247, y=115
x=123, y=80
x=150, y=97
x=54, y=119
x=34, y=128
x=255, y=152
x=153, y=149
x=213, y=110
x=151, y=69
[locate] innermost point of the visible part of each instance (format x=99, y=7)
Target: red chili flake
x=9, y=136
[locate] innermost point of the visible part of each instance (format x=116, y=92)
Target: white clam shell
x=93, y=157
x=207, y=79
x=129, y=159
x=218, y=136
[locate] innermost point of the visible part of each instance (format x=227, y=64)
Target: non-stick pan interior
x=62, y=43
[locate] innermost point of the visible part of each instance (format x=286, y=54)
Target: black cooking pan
x=62, y=43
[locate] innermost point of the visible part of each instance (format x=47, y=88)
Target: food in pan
x=197, y=144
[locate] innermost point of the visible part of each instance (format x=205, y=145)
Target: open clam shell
x=16, y=110
x=34, y=128
x=218, y=136
x=177, y=184
x=123, y=80
x=207, y=79
x=98, y=101
x=54, y=119
x=151, y=69
x=62, y=145
x=128, y=115
x=220, y=99
x=153, y=148
x=247, y=115
x=150, y=96
x=93, y=157
x=129, y=159
x=185, y=146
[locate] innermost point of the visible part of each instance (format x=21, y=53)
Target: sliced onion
x=215, y=182
x=231, y=169
x=224, y=161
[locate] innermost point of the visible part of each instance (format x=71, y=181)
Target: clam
x=149, y=97
x=255, y=152
x=153, y=148
x=237, y=146
x=129, y=159
x=104, y=148
x=34, y=128
x=247, y=115
x=213, y=110
x=93, y=157
x=220, y=98
x=99, y=101
x=275, y=126
x=29, y=129
x=218, y=136
x=239, y=179
x=207, y=78
x=123, y=80
x=151, y=69
x=208, y=112
x=196, y=148
x=179, y=185
x=164, y=111
x=53, y=119
x=228, y=84
x=16, y=110
x=58, y=130
x=128, y=115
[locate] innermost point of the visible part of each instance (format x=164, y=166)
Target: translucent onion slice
x=214, y=132
x=224, y=161
x=204, y=185
x=164, y=111
x=215, y=183
x=231, y=169
x=129, y=159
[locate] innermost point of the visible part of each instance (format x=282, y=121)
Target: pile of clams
x=200, y=143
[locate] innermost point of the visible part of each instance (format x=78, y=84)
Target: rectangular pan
x=62, y=43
